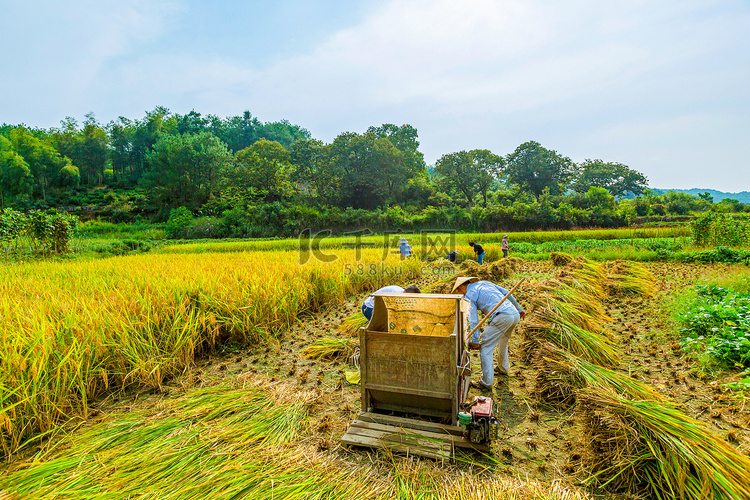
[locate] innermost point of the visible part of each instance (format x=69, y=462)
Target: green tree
x=91, y=154
x=69, y=176
x=469, y=172
x=265, y=168
x=121, y=135
x=179, y=220
x=185, y=170
x=283, y=132
x=706, y=196
x=616, y=178
x=15, y=175
x=534, y=168
x=369, y=171
x=317, y=177
x=41, y=157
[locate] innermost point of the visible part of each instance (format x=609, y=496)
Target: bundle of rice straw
x=330, y=348
x=561, y=258
x=628, y=278
x=561, y=374
x=652, y=448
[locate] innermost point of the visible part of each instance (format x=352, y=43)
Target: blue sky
x=662, y=86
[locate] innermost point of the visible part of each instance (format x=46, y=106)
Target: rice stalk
x=588, y=345
x=330, y=348
x=561, y=374
x=587, y=303
x=219, y=443
x=352, y=324
x=73, y=330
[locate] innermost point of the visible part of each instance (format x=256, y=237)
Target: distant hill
x=742, y=197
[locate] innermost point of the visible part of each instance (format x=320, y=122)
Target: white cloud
x=59, y=49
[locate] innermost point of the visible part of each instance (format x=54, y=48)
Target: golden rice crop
x=70, y=330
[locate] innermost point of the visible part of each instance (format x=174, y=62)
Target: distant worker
x=484, y=296
x=478, y=251
x=453, y=256
x=369, y=304
x=505, y=246
x=404, y=248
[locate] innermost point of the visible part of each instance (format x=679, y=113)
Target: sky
x=662, y=86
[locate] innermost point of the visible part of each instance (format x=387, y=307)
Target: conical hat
x=464, y=280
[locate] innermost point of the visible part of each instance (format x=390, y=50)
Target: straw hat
x=403, y=240
x=464, y=281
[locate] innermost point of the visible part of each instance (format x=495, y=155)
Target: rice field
x=250, y=354
x=74, y=330
x=425, y=241
x=245, y=440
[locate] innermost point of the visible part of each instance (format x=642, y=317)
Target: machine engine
x=478, y=420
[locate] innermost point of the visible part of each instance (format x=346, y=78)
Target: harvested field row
x=636, y=440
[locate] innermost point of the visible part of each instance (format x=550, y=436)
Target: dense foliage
x=716, y=229
x=718, y=324
x=44, y=232
x=274, y=179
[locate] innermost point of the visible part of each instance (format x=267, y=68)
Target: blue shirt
x=484, y=296
x=405, y=249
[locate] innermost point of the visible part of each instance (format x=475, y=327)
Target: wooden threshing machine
x=415, y=376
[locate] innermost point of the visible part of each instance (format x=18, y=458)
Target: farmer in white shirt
x=369, y=304
x=484, y=296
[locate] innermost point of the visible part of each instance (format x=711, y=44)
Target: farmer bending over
x=478, y=251
x=369, y=304
x=484, y=296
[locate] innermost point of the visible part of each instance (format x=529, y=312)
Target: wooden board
x=409, y=436
x=415, y=373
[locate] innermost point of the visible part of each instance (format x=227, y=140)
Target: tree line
x=268, y=178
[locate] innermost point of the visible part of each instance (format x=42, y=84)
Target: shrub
x=718, y=323
x=179, y=219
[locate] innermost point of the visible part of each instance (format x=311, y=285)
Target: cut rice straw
x=654, y=448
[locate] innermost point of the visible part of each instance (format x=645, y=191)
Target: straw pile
x=636, y=440
x=654, y=449
x=560, y=258
x=628, y=279
x=561, y=374
x=567, y=312
x=496, y=271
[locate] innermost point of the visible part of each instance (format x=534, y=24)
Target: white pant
x=497, y=334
